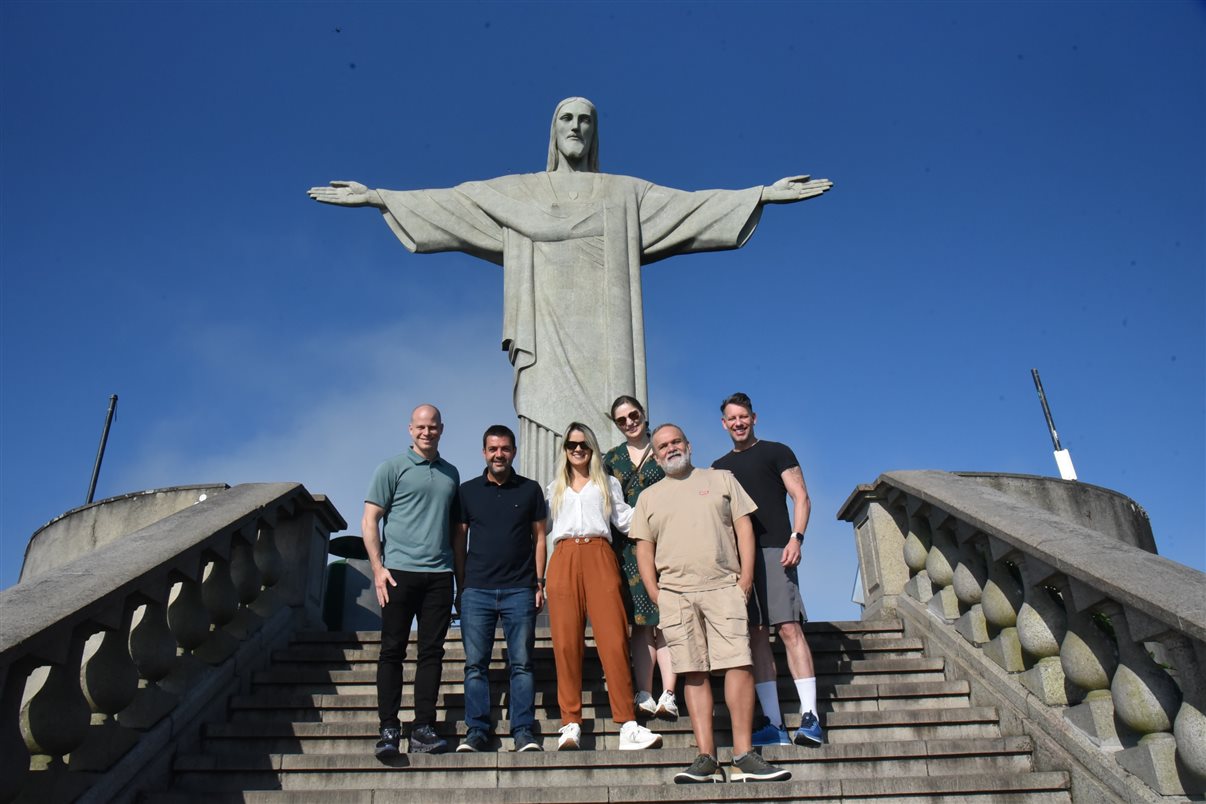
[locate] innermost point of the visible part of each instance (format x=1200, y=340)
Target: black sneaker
x=387, y=746
x=424, y=740
x=526, y=741
x=476, y=740
x=753, y=768
x=703, y=770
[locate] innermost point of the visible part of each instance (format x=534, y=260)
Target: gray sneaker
x=751, y=767
x=526, y=741
x=476, y=740
x=703, y=770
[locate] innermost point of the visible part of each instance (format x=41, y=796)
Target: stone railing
x=1093, y=641
x=109, y=663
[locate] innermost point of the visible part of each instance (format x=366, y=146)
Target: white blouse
x=581, y=512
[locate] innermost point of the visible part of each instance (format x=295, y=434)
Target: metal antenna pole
x=1063, y=459
x=100, y=453
x=1038, y=386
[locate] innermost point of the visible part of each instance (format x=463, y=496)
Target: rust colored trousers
x=584, y=580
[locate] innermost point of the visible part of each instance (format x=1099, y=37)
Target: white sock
x=768, y=696
x=806, y=688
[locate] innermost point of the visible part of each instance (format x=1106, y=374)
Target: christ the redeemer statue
x=571, y=241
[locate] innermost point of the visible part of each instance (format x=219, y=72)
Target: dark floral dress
x=641, y=610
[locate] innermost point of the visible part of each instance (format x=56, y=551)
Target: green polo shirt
x=420, y=499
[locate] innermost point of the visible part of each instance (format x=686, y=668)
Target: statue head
x=589, y=141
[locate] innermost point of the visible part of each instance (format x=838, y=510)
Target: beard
x=677, y=465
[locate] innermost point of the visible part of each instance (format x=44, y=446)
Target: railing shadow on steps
x=111, y=661
x=1094, y=647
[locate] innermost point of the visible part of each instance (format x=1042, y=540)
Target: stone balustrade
x=110, y=662
x=1103, y=633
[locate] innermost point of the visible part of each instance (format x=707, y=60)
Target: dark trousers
x=426, y=596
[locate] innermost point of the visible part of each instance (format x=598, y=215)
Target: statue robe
x=573, y=326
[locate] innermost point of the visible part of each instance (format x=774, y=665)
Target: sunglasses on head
x=634, y=417
x=571, y=446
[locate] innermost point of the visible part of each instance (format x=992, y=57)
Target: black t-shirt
x=759, y=470
x=501, y=553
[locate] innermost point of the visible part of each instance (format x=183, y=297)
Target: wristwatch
x=540, y=582
x=799, y=537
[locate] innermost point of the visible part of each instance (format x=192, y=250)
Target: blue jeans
x=481, y=609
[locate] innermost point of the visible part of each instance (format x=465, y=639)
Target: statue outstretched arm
x=347, y=194
x=793, y=189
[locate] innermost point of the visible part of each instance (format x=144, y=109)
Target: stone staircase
x=897, y=729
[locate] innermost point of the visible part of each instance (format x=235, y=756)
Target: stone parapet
x=79, y=531
x=1081, y=621
x=109, y=661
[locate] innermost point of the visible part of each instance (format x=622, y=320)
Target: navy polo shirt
x=502, y=552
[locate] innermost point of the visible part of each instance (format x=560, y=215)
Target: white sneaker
x=634, y=737
x=571, y=733
x=667, y=706
x=645, y=704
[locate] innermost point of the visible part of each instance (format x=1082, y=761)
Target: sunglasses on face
x=634, y=417
x=573, y=446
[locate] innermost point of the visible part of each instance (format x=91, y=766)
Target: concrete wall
x=81, y=530
x=1093, y=507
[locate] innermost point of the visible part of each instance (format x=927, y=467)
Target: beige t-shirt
x=690, y=522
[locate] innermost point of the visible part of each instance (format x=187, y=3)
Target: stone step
x=911, y=724
x=454, y=652
x=550, y=770
x=322, y=680
x=839, y=698
x=896, y=731
x=995, y=788
x=599, y=733
x=852, y=629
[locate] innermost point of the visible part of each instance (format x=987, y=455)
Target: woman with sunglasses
x=583, y=579
x=633, y=465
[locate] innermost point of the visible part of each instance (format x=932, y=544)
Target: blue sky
x=1018, y=185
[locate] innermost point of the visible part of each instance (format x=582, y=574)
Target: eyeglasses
x=574, y=446
x=634, y=417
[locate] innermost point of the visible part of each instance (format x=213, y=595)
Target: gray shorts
x=776, y=595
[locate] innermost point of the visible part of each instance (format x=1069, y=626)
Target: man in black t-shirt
x=769, y=472
x=499, y=555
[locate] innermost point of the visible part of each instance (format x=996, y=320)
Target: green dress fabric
x=641, y=610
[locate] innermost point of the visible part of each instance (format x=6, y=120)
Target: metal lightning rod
x=1063, y=459
x=100, y=453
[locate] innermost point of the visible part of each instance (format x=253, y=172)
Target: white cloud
x=331, y=439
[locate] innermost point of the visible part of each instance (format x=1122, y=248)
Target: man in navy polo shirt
x=414, y=495
x=500, y=555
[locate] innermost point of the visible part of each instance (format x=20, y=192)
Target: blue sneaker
x=770, y=734
x=810, y=732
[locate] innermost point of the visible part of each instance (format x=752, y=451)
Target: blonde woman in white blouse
x=584, y=579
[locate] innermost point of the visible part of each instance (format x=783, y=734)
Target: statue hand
x=794, y=188
x=346, y=194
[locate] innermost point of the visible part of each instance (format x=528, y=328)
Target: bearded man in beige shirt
x=695, y=550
